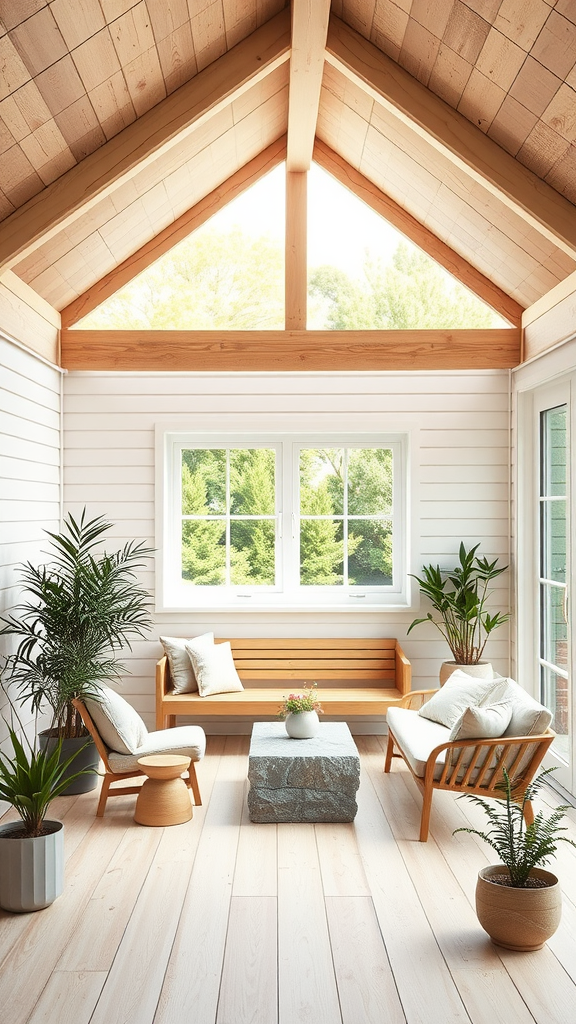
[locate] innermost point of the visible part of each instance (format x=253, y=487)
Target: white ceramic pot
x=302, y=725
x=519, y=919
x=31, y=870
x=483, y=670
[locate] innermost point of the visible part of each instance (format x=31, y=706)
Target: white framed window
x=281, y=521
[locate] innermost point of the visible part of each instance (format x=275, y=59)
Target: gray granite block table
x=302, y=780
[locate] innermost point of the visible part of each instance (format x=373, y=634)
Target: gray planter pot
x=87, y=758
x=31, y=870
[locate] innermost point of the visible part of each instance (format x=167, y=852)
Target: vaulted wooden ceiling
x=119, y=116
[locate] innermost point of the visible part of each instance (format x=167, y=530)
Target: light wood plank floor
x=220, y=921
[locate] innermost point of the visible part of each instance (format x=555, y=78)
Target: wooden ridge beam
x=309, y=31
x=452, y=135
x=176, y=232
x=289, y=351
x=145, y=139
x=425, y=239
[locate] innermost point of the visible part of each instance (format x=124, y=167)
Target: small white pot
x=483, y=670
x=302, y=725
x=31, y=870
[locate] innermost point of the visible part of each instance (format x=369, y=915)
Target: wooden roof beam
x=452, y=135
x=289, y=351
x=174, y=233
x=425, y=239
x=309, y=31
x=145, y=139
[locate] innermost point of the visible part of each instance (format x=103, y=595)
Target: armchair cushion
x=529, y=718
x=482, y=722
x=460, y=692
x=119, y=725
x=188, y=740
x=417, y=737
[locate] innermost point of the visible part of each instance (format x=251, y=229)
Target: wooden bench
x=354, y=677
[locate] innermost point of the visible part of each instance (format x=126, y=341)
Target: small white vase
x=302, y=725
x=482, y=670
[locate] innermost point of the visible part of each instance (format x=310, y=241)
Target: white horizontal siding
x=458, y=424
x=29, y=467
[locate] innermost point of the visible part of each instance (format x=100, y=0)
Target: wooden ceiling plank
x=309, y=31
x=145, y=140
x=273, y=351
x=35, y=301
x=174, y=233
x=453, y=135
x=549, y=300
x=418, y=233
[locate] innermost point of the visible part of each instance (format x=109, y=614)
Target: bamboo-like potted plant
x=80, y=610
x=519, y=903
x=32, y=849
x=460, y=597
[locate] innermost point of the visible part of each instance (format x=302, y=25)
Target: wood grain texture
x=176, y=232
x=24, y=323
x=309, y=31
x=418, y=233
x=290, y=350
x=140, y=143
x=453, y=135
x=296, y=278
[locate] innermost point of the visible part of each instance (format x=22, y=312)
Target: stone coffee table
x=302, y=780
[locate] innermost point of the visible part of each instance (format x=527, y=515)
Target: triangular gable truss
x=251, y=61
x=247, y=176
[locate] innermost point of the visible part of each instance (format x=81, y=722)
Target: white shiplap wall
x=29, y=465
x=459, y=429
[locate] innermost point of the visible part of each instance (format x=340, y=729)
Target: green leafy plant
x=460, y=598
x=31, y=778
x=520, y=847
x=82, y=608
x=295, y=703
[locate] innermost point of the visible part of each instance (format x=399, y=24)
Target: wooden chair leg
x=106, y=781
x=193, y=783
x=389, y=752
x=528, y=812
x=426, y=809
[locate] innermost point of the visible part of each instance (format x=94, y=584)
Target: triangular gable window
x=229, y=274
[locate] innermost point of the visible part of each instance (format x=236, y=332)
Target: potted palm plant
x=31, y=849
x=519, y=903
x=460, y=597
x=80, y=611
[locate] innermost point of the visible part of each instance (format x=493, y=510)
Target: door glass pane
x=555, y=697
x=554, y=638
x=554, y=658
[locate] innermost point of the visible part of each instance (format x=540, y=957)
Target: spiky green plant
x=31, y=778
x=460, y=597
x=82, y=609
x=520, y=847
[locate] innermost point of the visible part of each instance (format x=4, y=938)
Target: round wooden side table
x=164, y=798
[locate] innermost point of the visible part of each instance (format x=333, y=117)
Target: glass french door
x=554, y=542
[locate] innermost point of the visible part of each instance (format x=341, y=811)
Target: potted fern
x=80, y=610
x=460, y=597
x=519, y=903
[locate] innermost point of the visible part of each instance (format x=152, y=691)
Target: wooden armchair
x=469, y=766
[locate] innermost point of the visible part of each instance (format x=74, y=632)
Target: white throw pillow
x=483, y=722
x=181, y=670
x=529, y=718
x=459, y=692
x=214, y=669
x=119, y=725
